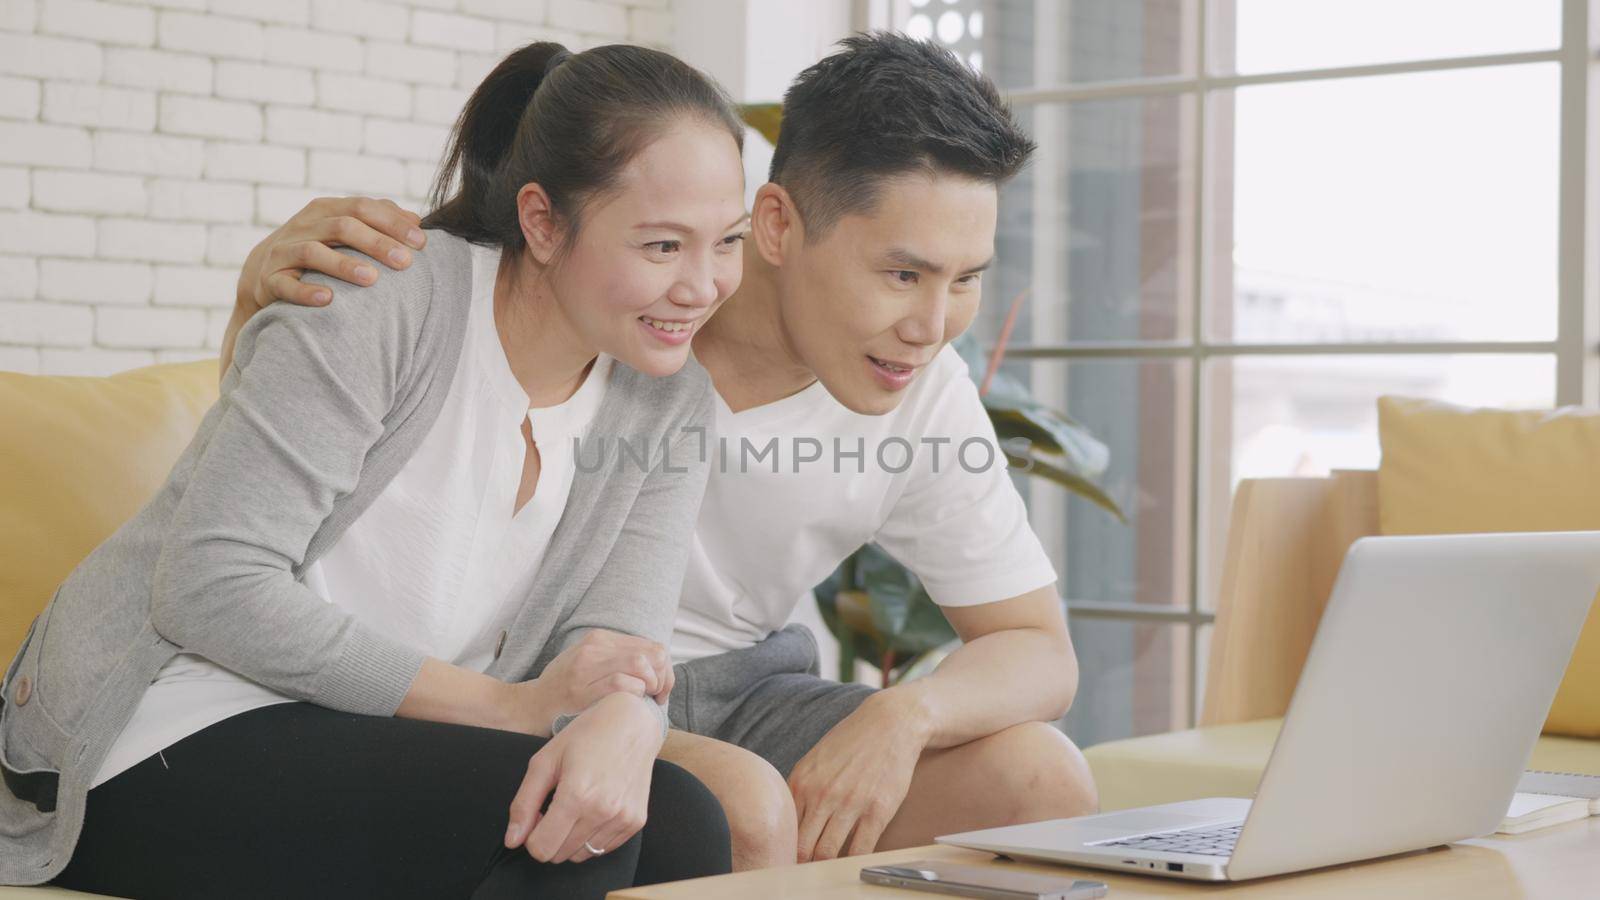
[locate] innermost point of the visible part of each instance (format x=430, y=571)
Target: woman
x=339, y=673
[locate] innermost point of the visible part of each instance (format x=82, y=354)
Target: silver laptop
x=1422, y=697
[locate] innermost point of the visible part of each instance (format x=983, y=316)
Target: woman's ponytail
x=482, y=139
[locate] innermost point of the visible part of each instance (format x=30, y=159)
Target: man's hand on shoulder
x=272, y=271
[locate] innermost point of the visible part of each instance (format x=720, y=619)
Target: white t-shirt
x=775, y=522
x=438, y=561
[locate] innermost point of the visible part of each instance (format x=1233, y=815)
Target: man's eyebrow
x=685, y=229
x=900, y=256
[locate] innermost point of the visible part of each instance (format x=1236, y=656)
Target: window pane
x=1096, y=231
x=957, y=24
x=1134, y=679
x=1280, y=35
x=1139, y=410
x=1030, y=43
x=1278, y=416
x=1415, y=207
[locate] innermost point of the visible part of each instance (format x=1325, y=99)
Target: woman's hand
x=601, y=663
x=599, y=768
x=378, y=228
x=607, y=662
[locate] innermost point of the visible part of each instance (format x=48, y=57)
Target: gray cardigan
x=321, y=408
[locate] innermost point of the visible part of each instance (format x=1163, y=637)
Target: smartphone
x=981, y=881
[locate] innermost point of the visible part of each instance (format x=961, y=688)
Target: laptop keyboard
x=1215, y=841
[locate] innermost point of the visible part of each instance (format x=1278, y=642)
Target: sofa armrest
x=1287, y=538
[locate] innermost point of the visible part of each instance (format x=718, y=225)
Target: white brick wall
x=19, y=98
x=46, y=234
x=104, y=23
x=255, y=162
x=14, y=190
x=265, y=83
x=159, y=70
x=59, y=190
x=102, y=107
x=19, y=277
x=146, y=145
x=94, y=281
x=360, y=94
x=27, y=142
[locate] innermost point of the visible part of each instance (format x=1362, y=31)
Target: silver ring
x=593, y=849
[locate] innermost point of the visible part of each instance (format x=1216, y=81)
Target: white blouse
x=441, y=560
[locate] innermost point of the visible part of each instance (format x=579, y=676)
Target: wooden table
x=1559, y=863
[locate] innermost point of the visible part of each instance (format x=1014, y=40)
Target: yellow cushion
x=1227, y=761
x=1220, y=761
x=1450, y=470
x=80, y=456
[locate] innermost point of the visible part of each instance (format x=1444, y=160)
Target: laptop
x=1421, y=699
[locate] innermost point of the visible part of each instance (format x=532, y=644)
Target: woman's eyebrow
x=685, y=229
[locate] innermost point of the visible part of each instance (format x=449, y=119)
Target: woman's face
x=654, y=258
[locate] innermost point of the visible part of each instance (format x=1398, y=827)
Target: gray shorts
x=768, y=699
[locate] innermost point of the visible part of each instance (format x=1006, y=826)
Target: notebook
x=1551, y=798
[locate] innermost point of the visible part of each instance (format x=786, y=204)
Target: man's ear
x=775, y=223
x=537, y=217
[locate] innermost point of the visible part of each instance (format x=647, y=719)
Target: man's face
x=871, y=303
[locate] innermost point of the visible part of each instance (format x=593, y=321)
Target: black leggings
x=296, y=800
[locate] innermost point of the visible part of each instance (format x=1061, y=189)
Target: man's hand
x=851, y=784
x=600, y=768
x=377, y=228
x=305, y=243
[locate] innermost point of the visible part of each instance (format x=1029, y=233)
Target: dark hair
x=569, y=121
x=887, y=105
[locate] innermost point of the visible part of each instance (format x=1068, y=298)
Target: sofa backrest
x=80, y=456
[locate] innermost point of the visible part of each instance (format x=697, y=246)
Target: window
x=1246, y=220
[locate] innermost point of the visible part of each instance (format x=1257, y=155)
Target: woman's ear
x=775, y=223
x=537, y=217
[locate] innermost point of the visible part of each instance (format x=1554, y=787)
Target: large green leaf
x=1016, y=414
x=901, y=607
x=899, y=622
x=1083, y=487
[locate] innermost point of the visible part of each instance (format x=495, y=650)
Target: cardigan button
x=23, y=692
x=500, y=645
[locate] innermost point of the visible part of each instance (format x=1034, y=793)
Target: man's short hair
x=888, y=105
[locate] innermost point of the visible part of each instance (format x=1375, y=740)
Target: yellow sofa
x=79, y=457
x=1444, y=470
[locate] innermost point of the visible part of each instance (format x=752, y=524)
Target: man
x=844, y=419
